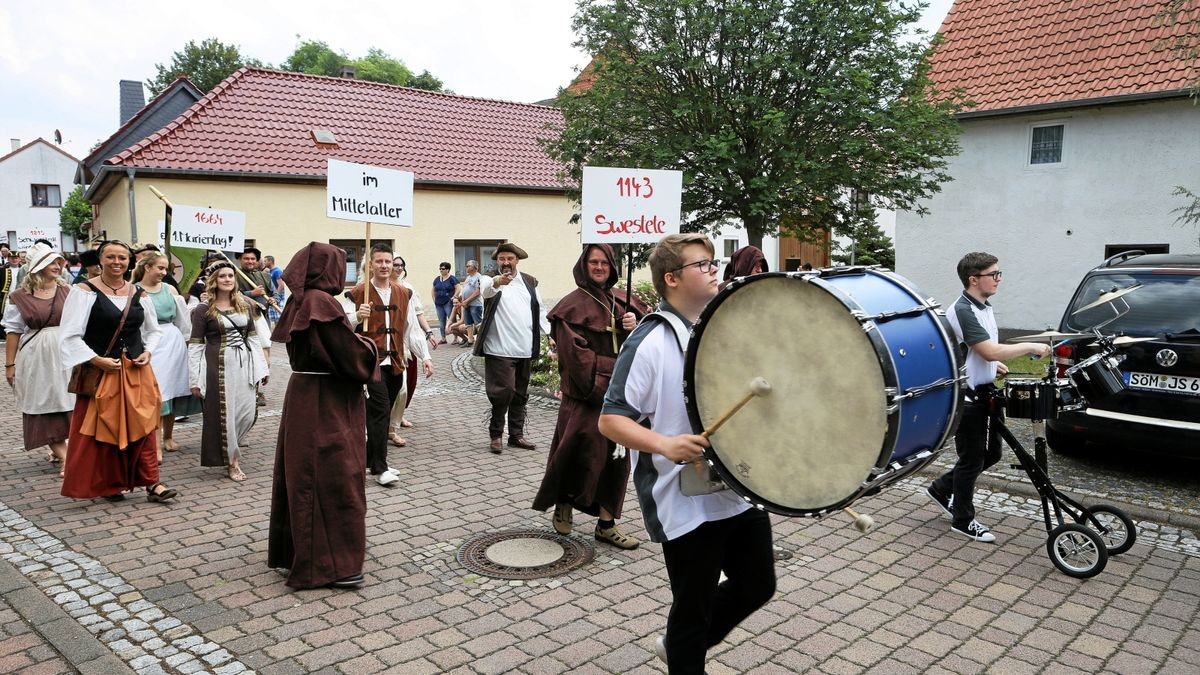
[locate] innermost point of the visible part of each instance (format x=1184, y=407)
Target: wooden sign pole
x=366, y=274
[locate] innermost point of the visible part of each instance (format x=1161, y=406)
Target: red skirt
x=96, y=469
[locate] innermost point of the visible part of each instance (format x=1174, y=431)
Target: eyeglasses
x=705, y=266
x=994, y=275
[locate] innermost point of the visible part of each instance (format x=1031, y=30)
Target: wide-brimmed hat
x=39, y=255
x=509, y=247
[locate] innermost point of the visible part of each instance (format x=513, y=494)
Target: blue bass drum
x=864, y=383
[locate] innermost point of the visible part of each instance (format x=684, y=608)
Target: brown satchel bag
x=85, y=378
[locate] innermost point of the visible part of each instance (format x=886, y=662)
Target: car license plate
x=1177, y=384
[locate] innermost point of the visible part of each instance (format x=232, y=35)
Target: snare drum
x=865, y=385
x=1036, y=399
x=1097, y=378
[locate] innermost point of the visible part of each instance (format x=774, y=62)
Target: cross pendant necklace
x=612, y=319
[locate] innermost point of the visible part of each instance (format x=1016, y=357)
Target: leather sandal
x=236, y=475
x=617, y=538
x=395, y=439
x=170, y=445
x=563, y=518
x=166, y=495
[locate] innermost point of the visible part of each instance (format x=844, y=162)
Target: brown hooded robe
x=318, y=501
x=742, y=262
x=580, y=470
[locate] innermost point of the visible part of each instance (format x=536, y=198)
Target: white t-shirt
x=647, y=386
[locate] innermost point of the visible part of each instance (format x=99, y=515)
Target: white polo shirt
x=974, y=322
x=647, y=387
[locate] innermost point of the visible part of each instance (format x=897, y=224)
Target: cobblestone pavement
x=184, y=588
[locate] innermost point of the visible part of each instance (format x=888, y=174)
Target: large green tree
x=205, y=64
x=773, y=109
x=318, y=58
x=76, y=214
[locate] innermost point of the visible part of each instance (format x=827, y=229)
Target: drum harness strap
x=682, y=332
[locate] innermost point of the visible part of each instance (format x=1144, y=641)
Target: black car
x=1158, y=406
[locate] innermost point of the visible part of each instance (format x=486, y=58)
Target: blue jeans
x=443, y=311
x=474, y=315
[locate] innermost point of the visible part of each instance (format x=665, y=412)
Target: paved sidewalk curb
x=79, y=647
x=1138, y=512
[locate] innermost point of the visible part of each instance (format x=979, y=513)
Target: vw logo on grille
x=1166, y=358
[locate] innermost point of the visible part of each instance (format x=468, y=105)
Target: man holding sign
x=514, y=319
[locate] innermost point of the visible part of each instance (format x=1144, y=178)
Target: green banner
x=185, y=266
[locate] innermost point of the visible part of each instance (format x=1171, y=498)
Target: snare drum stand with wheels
x=1081, y=548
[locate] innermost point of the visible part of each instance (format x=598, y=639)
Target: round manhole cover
x=524, y=554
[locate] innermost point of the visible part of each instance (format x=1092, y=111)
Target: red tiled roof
x=261, y=121
x=1019, y=53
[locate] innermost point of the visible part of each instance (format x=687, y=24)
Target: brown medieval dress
x=580, y=469
x=318, y=525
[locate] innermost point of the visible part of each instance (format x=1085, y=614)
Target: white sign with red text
x=629, y=206
x=199, y=227
x=27, y=235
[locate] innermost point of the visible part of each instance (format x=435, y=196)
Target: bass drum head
x=809, y=444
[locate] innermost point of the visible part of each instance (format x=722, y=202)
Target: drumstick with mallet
x=758, y=387
x=862, y=522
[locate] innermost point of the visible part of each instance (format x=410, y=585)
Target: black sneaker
x=977, y=531
x=944, y=503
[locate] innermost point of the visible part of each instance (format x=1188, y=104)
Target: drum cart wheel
x=1075, y=548
x=1077, y=551
x=1114, y=527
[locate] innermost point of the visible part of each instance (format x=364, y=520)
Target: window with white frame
x=46, y=195
x=1046, y=144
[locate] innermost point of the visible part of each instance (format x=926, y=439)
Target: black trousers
x=978, y=444
x=703, y=611
x=381, y=396
x=507, y=383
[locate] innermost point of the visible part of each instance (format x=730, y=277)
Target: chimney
x=349, y=72
x=16, y=143
x=133, y=99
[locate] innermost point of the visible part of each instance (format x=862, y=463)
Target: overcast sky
x=60, y=60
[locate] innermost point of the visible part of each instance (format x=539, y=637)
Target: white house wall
x=1050, y=223
x=36, y=164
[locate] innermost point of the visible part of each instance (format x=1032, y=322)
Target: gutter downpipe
x=132, y=207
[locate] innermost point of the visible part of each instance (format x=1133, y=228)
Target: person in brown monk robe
x=744, y=262
x=318, y=527
x=582, y=471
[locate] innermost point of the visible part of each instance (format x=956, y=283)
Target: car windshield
x=1166, y=303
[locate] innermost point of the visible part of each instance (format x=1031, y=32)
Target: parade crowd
x=105, y=354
